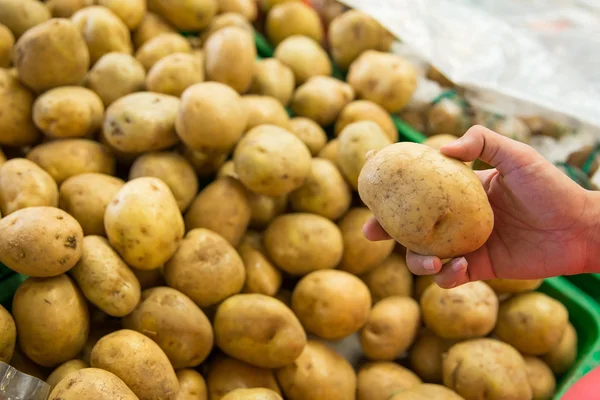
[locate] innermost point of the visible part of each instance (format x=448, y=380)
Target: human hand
x=544, y=223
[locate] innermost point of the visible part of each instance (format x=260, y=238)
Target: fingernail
x=459, y=265
x=429, y=265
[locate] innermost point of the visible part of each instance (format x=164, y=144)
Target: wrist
x=592, y=219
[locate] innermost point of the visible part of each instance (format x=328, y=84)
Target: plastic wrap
x=15, y=385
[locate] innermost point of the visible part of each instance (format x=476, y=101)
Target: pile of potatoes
x=185, y=238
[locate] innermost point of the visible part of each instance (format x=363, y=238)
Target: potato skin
x=447, y=214
x=191, y=385
x=263, y=209
x=301, y=243
x=8, y=335
x=161, y=46
x=52, y=319
x=40, y=241
x=331, y=304
x=293, y=18
x=541, y=378
x=151, y=26
x=20, y=16
x=115, y=75
x=247, y=8
x=322, y=98
x=305, y=57
x=7, y=41
x=91, y=384
x=259, y=330
x=273, y=78
x=380, y=380
x=217, y=275
x=331, y=151
x=66, y=8
x=262, y=276
x=252, y=394
x=16, y=122
x=227, y=374
x=105, y=279
x=223, y=21
x=265, y=110
x=319, y=373
x=365, y=110
x=562, y=357
x=426, y=356
x=188, y=15
x=175, y=323
x=42, y=61
x=174, y=73
x=138, y=362
x=23, y=184
x=130, y=12
x=390, y=278
x=63, y=370
x=427, y=391
x=143, y=223
x=512, y=286
x=311, y=134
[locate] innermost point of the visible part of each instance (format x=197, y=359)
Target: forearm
x=593, y=236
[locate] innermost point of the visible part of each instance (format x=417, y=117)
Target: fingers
x=374, y=232
x=453, y=274
x=422, y=265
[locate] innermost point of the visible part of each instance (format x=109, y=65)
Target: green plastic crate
x=589, y=283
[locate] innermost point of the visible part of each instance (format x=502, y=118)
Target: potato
x=311, y=134
x=252, y=394
x=220, y=48
x=20, y=362
x=66, y=8
x=390, y=278
x=205, y=163
x=228, y=374
x=63, y=159
x=391, y=328
x=227, y=170
x=151, y=26
x=365, y=110
x=16, y=122
x=265, y=110
x=131, y=12
x=305, y=57
x=295, y=18
x=98, y=330
x=7, y=41
x=68, y=112
x=223, y=21
x=324, y=193
x=456, y=218
x=437, y=141
x=331, y=304
x=139, y=362
x=229, y=219
x=172, y=169
x=511, y=286
x=2, y=158
x=464, y=312
x=115, y=75
x=330, y=151
x=143, y=223
x=384, y=78
x=22, y=15
x=63, y=370
x=426, y=356
x=161, y=46
x=259, y=330
x=51, y=54
x=40, y=241
x=175, y=73
x=263, y=209
x=262, y=276
x=381, y=380
x=361, y=255
x=533, y=323
x=8, y=335
x=23, y=184
x=421, y=284
x=301, y=243
x=486, y=368
x=563, y=356
x=541, y=378
x=447, y=116
x=319, y=373
x=175, y=323
x=247, y=8
x=321, y=99
x=149, y=278
x=188, y=15
x=52, y=319
x=272, y=161
x=191, y=385
x=220, y=112
x=92, y=384
x=104, y=278
x=273, y=78
x=427, y=391
x=141, y=122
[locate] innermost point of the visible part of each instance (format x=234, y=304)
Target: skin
x=535, y=207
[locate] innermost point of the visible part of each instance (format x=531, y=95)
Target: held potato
x=391, y=328
x=273, y=78
x=40, y=241
x=8, y=335
x=361, y=255
x=151, y=26
x=263, y=209
x=191, y=385
x=161, y=46
x=138, y=362
x=426, y=356
x=16, y=122
x=435, y=206
x=63, y=159
x=390, y=278
x=205, y=162
x=223, y=21
x=173, y=170
x=272, y=161
x=262, y=276
x=512, y=286
x=541, y=378
x=562, y=357
x=175, y=73
x=295, y=18
x=311, y=133
x=486, y=368
x=427, y=391
x=381, y=380
x=265, y=110
x=210, y=278
x=259, y=330
x=247, y=8
x=301, y=243
x=23, y=184
x=86, y=196
x=143, y=223
x=305, y=57
x=52, y=319
x=21, y=15
x=104, y=278
x=534, y=323
x=115, y=75
x=227, y=374
x=324, y=193
x=229, y=219
x=7, y=41
x=175, y=323
x=68, y=112
x=319, y=373
x=91, y=384
x=216, y=108
x=365, y=110
x=188, y=15
x=322, y=98
x=252, y=394
x=331, y=304
x=464, y=312
x=130, y=12
x=65, y=369
x=66, y=8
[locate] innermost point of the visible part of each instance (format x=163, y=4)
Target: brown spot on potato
x=71, y=242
